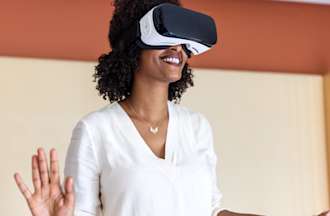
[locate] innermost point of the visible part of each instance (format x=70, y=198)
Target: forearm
x=229, y=213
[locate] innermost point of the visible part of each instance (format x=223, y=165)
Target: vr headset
x=167, y=25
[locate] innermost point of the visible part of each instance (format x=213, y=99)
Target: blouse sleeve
x=81, y=164
x=205, y=136
x=216, y=194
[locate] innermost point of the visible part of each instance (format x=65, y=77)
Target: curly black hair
x=114, y=72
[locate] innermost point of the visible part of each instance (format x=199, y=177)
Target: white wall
x=270, y=139
x=269, y=130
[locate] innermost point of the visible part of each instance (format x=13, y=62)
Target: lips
x=172, y=55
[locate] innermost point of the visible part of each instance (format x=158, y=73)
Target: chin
x=174, y=77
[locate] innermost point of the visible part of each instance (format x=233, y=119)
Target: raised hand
x=48, y=199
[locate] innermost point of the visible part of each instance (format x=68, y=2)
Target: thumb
x=69, y=192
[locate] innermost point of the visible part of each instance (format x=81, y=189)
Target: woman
x=140, y=155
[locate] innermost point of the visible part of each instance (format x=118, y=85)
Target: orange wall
x=254, y=35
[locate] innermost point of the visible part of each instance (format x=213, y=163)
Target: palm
x=47, y=202
x=48, y=198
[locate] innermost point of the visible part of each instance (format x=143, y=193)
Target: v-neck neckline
x=131, y=130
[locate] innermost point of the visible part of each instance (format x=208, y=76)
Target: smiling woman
x=141, y=154
x=115, y=71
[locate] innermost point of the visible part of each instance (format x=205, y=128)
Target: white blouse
x=117, y=174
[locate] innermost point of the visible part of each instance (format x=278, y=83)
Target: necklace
x=153, y=130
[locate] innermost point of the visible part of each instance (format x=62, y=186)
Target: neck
x=149, y=99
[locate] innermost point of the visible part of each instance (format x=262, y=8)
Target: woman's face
x=163, y=64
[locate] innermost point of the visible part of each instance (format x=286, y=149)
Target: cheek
x=150, y=59
x=152, y=65
x=146, y=62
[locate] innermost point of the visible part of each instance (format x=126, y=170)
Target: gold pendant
x=153, y=130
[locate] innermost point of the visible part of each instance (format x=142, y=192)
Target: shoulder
x=183, y=111
x=196, y=119
x=198, y=128
x=98, y=119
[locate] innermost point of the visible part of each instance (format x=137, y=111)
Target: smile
x=172, y=60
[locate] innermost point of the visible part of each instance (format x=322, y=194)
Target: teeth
x=172, y=60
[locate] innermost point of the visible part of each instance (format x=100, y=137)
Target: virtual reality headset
x=168, y=25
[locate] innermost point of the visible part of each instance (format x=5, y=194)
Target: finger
x=69, y=192
x=61, y=203
x=43, y=167
x=54, y=167
x=35, y=174
x=22, y=187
